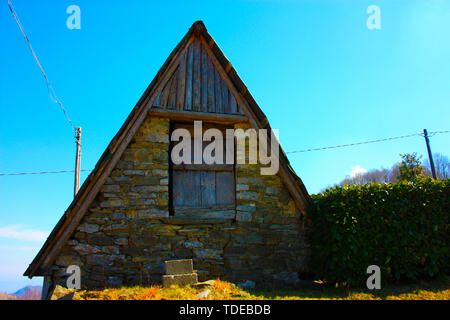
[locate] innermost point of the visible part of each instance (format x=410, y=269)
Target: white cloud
x=20, y=233
x=357, y=170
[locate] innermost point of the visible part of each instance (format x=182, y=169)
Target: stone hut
x=138, y=208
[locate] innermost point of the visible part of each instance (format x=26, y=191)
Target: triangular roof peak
x=158, y=96
x=197, y=83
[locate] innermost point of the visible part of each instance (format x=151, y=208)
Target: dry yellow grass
x=222, y=290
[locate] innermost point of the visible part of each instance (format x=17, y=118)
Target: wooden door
x=203, y=190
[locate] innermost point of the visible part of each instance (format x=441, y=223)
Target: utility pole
x=430, y=156
x=77, y=161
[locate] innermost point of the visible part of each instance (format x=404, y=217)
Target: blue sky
x=319, y=74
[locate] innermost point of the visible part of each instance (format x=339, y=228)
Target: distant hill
x=26, y=293
x=5, y=296
x=29, y=293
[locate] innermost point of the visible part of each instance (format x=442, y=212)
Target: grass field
x=220, y=290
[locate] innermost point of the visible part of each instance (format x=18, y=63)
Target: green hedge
x=401, y=227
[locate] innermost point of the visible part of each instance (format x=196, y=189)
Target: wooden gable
x=197, y=85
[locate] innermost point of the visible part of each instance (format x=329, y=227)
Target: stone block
x=152, y=213
x=157, y=137
x=193, y=244
x=116, y=227
x=100, y=240
x=248, y=208
x=65, y=260
x=247, y=195
x=242, y=187
x=161, y=173
x=242, y=216
x=270, y=190
x=154, y=268
x=88, y=228
x=179, y=279
x=124, y=165
x=85, y=249
x=142, y=202
x=111, y=188
x=99, y=259
x=212, y=254
x=144, y=240
x=142, y=189
x=134, y=172
x=146, y=181
x=110, y=250
x=112, y=203
x=177, y=267
x=183, y=253
x=122, y=179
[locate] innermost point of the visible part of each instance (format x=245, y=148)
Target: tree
x=375, y=175
x=441, y=164
x=410, y=169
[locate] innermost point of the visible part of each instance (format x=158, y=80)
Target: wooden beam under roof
x=181, y=115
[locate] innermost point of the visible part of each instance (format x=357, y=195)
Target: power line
x=432, y=133
x=42, y=172
x=51, y=92
x=297, y=151
x=356, y=143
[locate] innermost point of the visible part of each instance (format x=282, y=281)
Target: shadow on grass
x=425, y=289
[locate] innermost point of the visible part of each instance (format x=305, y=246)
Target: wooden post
x=47, y=288
x=77, y=161
x=430, y=156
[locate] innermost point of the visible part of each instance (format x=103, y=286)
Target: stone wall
x=127, y=233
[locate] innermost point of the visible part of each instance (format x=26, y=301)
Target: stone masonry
x=127, y=233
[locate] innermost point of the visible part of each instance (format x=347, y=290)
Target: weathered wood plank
x=172, y=101
x=181, y=87
x=165, y=93
x=191, y=116
x=208, y=188
x=240, y=108
x=218, y=92
x=189, y=67
x=233, y=106
x=214, y=207
x=183, y=181
x=203, y=167
x=211, y=80
x=204, y=80
x=192, y=183
x=225, y=188
x=158, y=100
x=200, y=213
x=226, y=107
x=196, y=78
x=177, y=188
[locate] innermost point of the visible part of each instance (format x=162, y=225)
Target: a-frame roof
x=239, y=101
